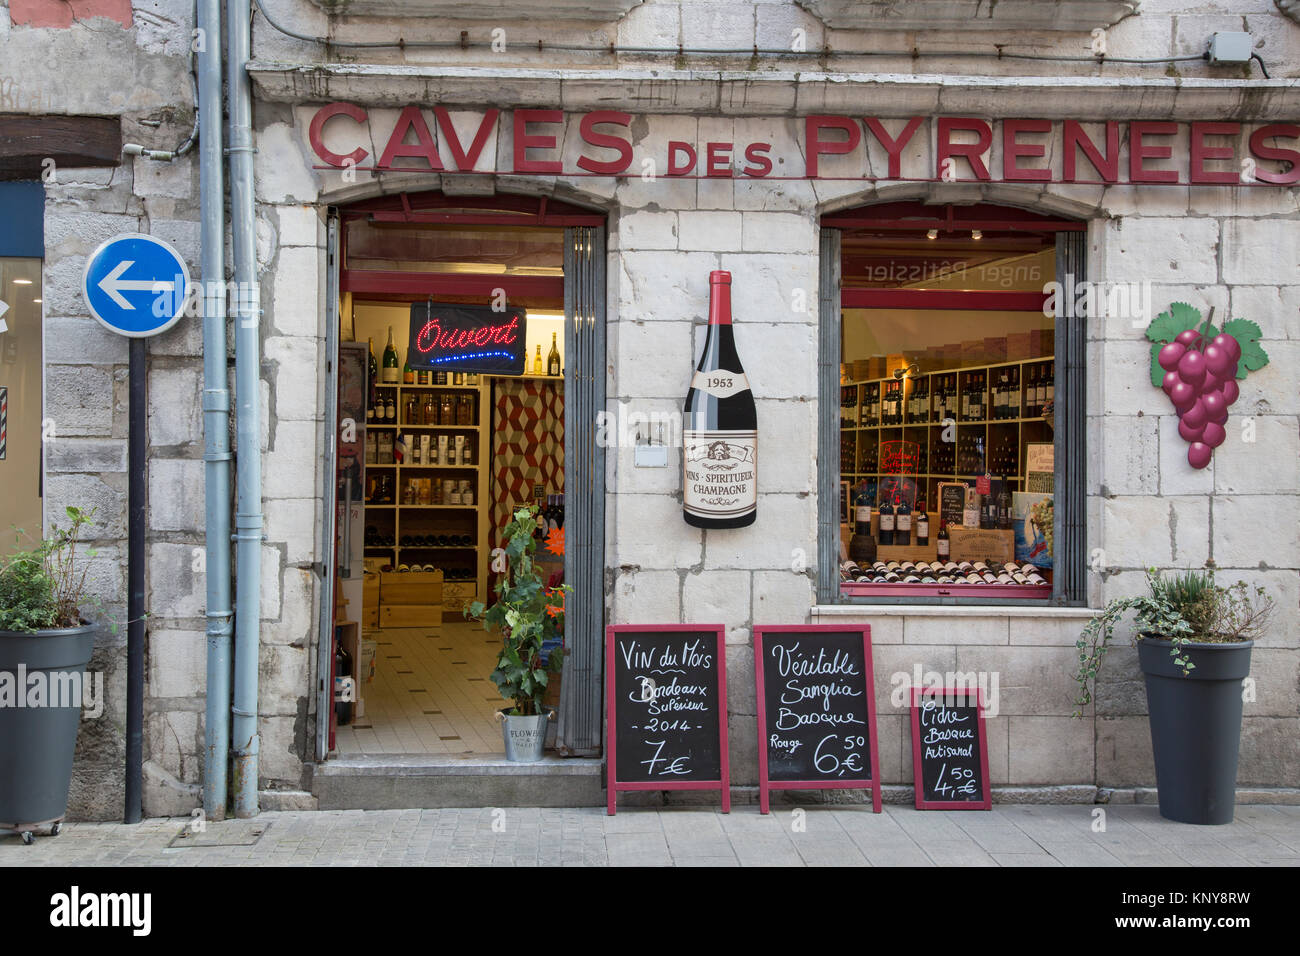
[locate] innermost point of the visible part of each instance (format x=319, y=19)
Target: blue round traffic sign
x=136, y=285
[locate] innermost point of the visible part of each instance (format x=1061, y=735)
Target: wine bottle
x=553, y=359
x=886, y=512
x=922, y=525
x=537, y=362
x=408, y=375
x=720, y=427
x=391, y=371
x=903, y=524
x=943, y=545
x=372, y=371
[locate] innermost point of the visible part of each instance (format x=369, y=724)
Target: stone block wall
x=1227, y=249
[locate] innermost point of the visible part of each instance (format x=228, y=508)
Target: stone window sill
x=948, y=610
x=603, y=11
x=1058, y=15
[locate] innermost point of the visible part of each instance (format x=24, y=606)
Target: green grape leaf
x=1166, y=326
x=1157, y=373
x=1247, y=334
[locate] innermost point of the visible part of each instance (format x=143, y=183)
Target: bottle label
x=720, y=383
x=720, y=472
x=943, y=549
x=903, y=522
x=886, y=522
x=862, y=514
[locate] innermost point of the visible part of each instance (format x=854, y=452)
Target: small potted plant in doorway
x=527, y=614
x=45, y=645
x=1194, y=639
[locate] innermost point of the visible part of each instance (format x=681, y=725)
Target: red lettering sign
x=524, y=141
x=816, y=145
x=1139, y=152
x=587, y=130
x=972, y=152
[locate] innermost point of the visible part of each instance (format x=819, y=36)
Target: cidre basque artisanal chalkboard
x=950, y=759
x=667, y=709
x=816, y=710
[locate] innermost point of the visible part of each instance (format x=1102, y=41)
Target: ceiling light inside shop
x=22, y=282
x=932, y=234
x=976, y=234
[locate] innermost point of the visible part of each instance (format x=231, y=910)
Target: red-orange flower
x=555, y=541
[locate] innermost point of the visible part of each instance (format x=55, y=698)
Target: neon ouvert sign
x=468, y=338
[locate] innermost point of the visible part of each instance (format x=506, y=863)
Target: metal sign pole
x=135, y=585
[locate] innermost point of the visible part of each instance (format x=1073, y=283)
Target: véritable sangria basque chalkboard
x=667, y=709
x=950, y=756
x=816, y=710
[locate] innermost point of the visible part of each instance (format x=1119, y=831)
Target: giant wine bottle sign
x=667, y=709
x=467, y=338
x=720, y=427
x=1198, y=367
x=816, y=710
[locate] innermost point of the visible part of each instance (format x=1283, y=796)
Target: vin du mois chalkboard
x=666, y=687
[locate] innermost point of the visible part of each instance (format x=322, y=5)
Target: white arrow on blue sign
x=136, y=285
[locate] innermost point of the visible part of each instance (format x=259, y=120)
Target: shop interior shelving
x=995, y=446
x=396, y=520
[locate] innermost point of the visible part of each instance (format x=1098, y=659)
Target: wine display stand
x=983, y=446
x=464, y=565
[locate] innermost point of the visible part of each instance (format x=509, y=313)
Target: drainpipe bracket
x=216, y=400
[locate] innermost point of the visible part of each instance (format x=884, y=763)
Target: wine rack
x=415, y=531
x=981, y=444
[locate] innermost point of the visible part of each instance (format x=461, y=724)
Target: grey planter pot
x=37, y=743
x=525, y=737
x=1195, y=727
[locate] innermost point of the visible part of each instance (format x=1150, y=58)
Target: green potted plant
x=1194, y=640
x=45, y=644
x=527, y=614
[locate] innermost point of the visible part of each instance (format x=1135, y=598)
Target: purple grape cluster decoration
x=1198, y=367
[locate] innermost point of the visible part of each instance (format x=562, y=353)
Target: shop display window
x=948, y=409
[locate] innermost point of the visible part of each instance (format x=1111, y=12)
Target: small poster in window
x=1032, y=517
x=1040, y=456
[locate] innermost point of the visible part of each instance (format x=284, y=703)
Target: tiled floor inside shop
x=431, y=694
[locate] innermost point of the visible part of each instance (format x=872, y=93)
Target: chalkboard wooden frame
x=614, y=785
x=982, y=737
x=765, y=784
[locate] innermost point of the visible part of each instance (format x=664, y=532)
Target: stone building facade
x=1214, y=246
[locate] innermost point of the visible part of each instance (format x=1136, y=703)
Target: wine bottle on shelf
x=903, y=524
x=553, y=359
x=1004, y=506
x=943, y=544
x=392, y=373
x=719, y=427
x=1050, y=391
x=372, y=371
x=408, y=375
x=886, y=512
x=537, y=362
x=922, y=525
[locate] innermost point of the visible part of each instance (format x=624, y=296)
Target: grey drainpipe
x=248, y=475
x=216, y=414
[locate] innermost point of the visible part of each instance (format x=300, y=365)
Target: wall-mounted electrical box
x=1230, y=48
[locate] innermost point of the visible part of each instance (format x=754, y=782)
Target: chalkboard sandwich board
x=816, y=710
x=666, y=690
x=950, y=755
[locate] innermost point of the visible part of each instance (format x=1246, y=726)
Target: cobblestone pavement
x=1134, y=835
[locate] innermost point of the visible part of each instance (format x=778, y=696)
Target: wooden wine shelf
x=858, y=441
x=399, y=519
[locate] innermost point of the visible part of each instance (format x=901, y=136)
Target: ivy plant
x=526, y=614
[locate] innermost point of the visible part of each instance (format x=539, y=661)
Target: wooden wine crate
x=370, y=591
x=413, y=587
x=457, y=594
x=410, y=615
x=977, y=544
